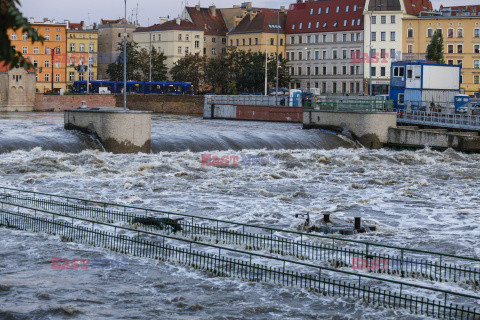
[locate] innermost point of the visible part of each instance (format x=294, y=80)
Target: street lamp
x=308, y=53
x=370, y=51
x=53, y=57
x=125, y=60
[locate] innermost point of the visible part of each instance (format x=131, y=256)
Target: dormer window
x=335, y=23
x=325, y=24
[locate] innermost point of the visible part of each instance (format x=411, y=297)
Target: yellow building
x=82, y=48
x=258, y=30
x=461, y=37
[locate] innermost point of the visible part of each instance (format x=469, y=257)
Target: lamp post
x=370, y=51
x=125, y=60
x=88, y=65
x=308, y=53
x=276, y=82
x=53, y=57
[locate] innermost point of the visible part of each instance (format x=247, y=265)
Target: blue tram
x=177, y=88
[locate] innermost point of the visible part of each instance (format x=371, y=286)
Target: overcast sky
x=149, y=11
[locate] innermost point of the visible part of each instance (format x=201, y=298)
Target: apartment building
x=110, y=34
x=323, y=42
x=48, y=58
x=461, y=37
x=214, y=28
x=175, y=38
x=384, y=34
x=82, y=48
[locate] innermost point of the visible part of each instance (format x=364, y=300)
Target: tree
x=159, y=69
x=115, y=69
x=12, y=18
x=283, y=75
x=435, y=48
x=190, y=68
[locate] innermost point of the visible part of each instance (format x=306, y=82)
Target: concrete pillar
x=119, y=131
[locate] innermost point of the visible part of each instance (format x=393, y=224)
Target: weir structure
x=119, y=131
x=330, y=266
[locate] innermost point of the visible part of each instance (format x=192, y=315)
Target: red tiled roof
x=103, y=21
x=6, y=67
x=76, y=26
x=414, y=7
x=305, y=17
x=474, y=10
x=265, y=21
x=170, y=25
x=213, y=25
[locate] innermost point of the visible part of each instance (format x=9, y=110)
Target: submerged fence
x=241, y=264
x=329, y=251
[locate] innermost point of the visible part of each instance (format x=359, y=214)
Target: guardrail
x=277, y=242
x=244, y=265
x=353, y=104
x=457, y=121
x=251, y=100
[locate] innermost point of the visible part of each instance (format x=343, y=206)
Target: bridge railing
x=458, y=121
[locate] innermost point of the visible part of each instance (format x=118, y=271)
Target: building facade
x=82, y=47
x=384, y=34
x=461, y=38
x=48, y=58
x=258, y=32
x=323, y=42
x=214, y=28
x=17, y=89
x=110, y=34
x=175, y=38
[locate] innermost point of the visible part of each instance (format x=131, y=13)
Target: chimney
x=282, y=8
x=197, y=7
x=31, y=20
x=213, y=10
x=177, y=20
x=163, y=20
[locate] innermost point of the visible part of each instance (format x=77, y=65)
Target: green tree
x=115, y=69
x=217, y=74
x=435, y=48
x=283, y=74
x=159, y=68
x=12, y=18
x=190, y=68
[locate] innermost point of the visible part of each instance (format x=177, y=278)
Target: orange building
x=48, y=58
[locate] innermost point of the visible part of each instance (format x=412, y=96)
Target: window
x=324, y=70
x=47, y=50
x=382, y=71
x=383, y=53
x=179, y=37
x=476, y=64
x=353, y=22
x=243, y=42
x=346, y=8
x=460, y=33
x=24, y=50
x=383, y=19
x=309, y=25
x=288, y=56
x=47, y=37
x=214, y=40
x=354, y=8
x=57, y=65
x=197, y=44
x=450, y=48
x=410, y=33
x=344, y=54
x=460, y=63
x=320, y=10
x=345, y=23
x=440, y=32
x=409, y=74
x=187, y=49
x=476, y=79
x=35, y=63
x=250, y=41
x=344, y=70
x=293, y=26
x=335, y=23
x=374, y=19
x=476, y=48
x=82, y=47
x=300, y=55
x=392, y=54
x=14, y=36
x=47, y=77
x=327, y=9
x=57, y=77
x=344, y=87
x=324, y=54
x=334, y=53
x=352, y=70
x=179, y=50
x=450, y=62
x=57, y=49
x=300, y=26
x=410, y=48
x=392, y=20
x=392, y=36
x=352, y=37
x=25, y=37
x=256, y=41
x=308, y=71
x=401, y=98
x=429, y=32
x=71, y=76
x=450, y=33
x=459, y=48
x=476, y=33
x=300, y=39
x=90, y=47
x=374, y=36
x=334, y=70
x=324, y=38
x=334, y=90
x=58, y=37
x=335, y=38
x=299, y=71
x=292, y=40
x=214, y=51
x=383, y=36
x=338, y=9
x=318, y=24
x=359, y=22
x=72, y=47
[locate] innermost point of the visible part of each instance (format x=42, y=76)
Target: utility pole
x=266, y=65
x=278, y=36
x=88, y=65
x=150, y=62
x=125, y=61
x=53, y=57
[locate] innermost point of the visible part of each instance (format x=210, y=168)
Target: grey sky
x=148, y=10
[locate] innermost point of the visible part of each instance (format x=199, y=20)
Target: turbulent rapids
x=423, y=199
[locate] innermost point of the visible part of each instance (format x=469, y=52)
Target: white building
x=383, y=30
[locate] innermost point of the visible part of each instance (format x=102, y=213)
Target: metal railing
x=457, y=121
x=278, y=242
x=356, y=104
x=245, y=265
x=251, y=100
x=444, y=265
